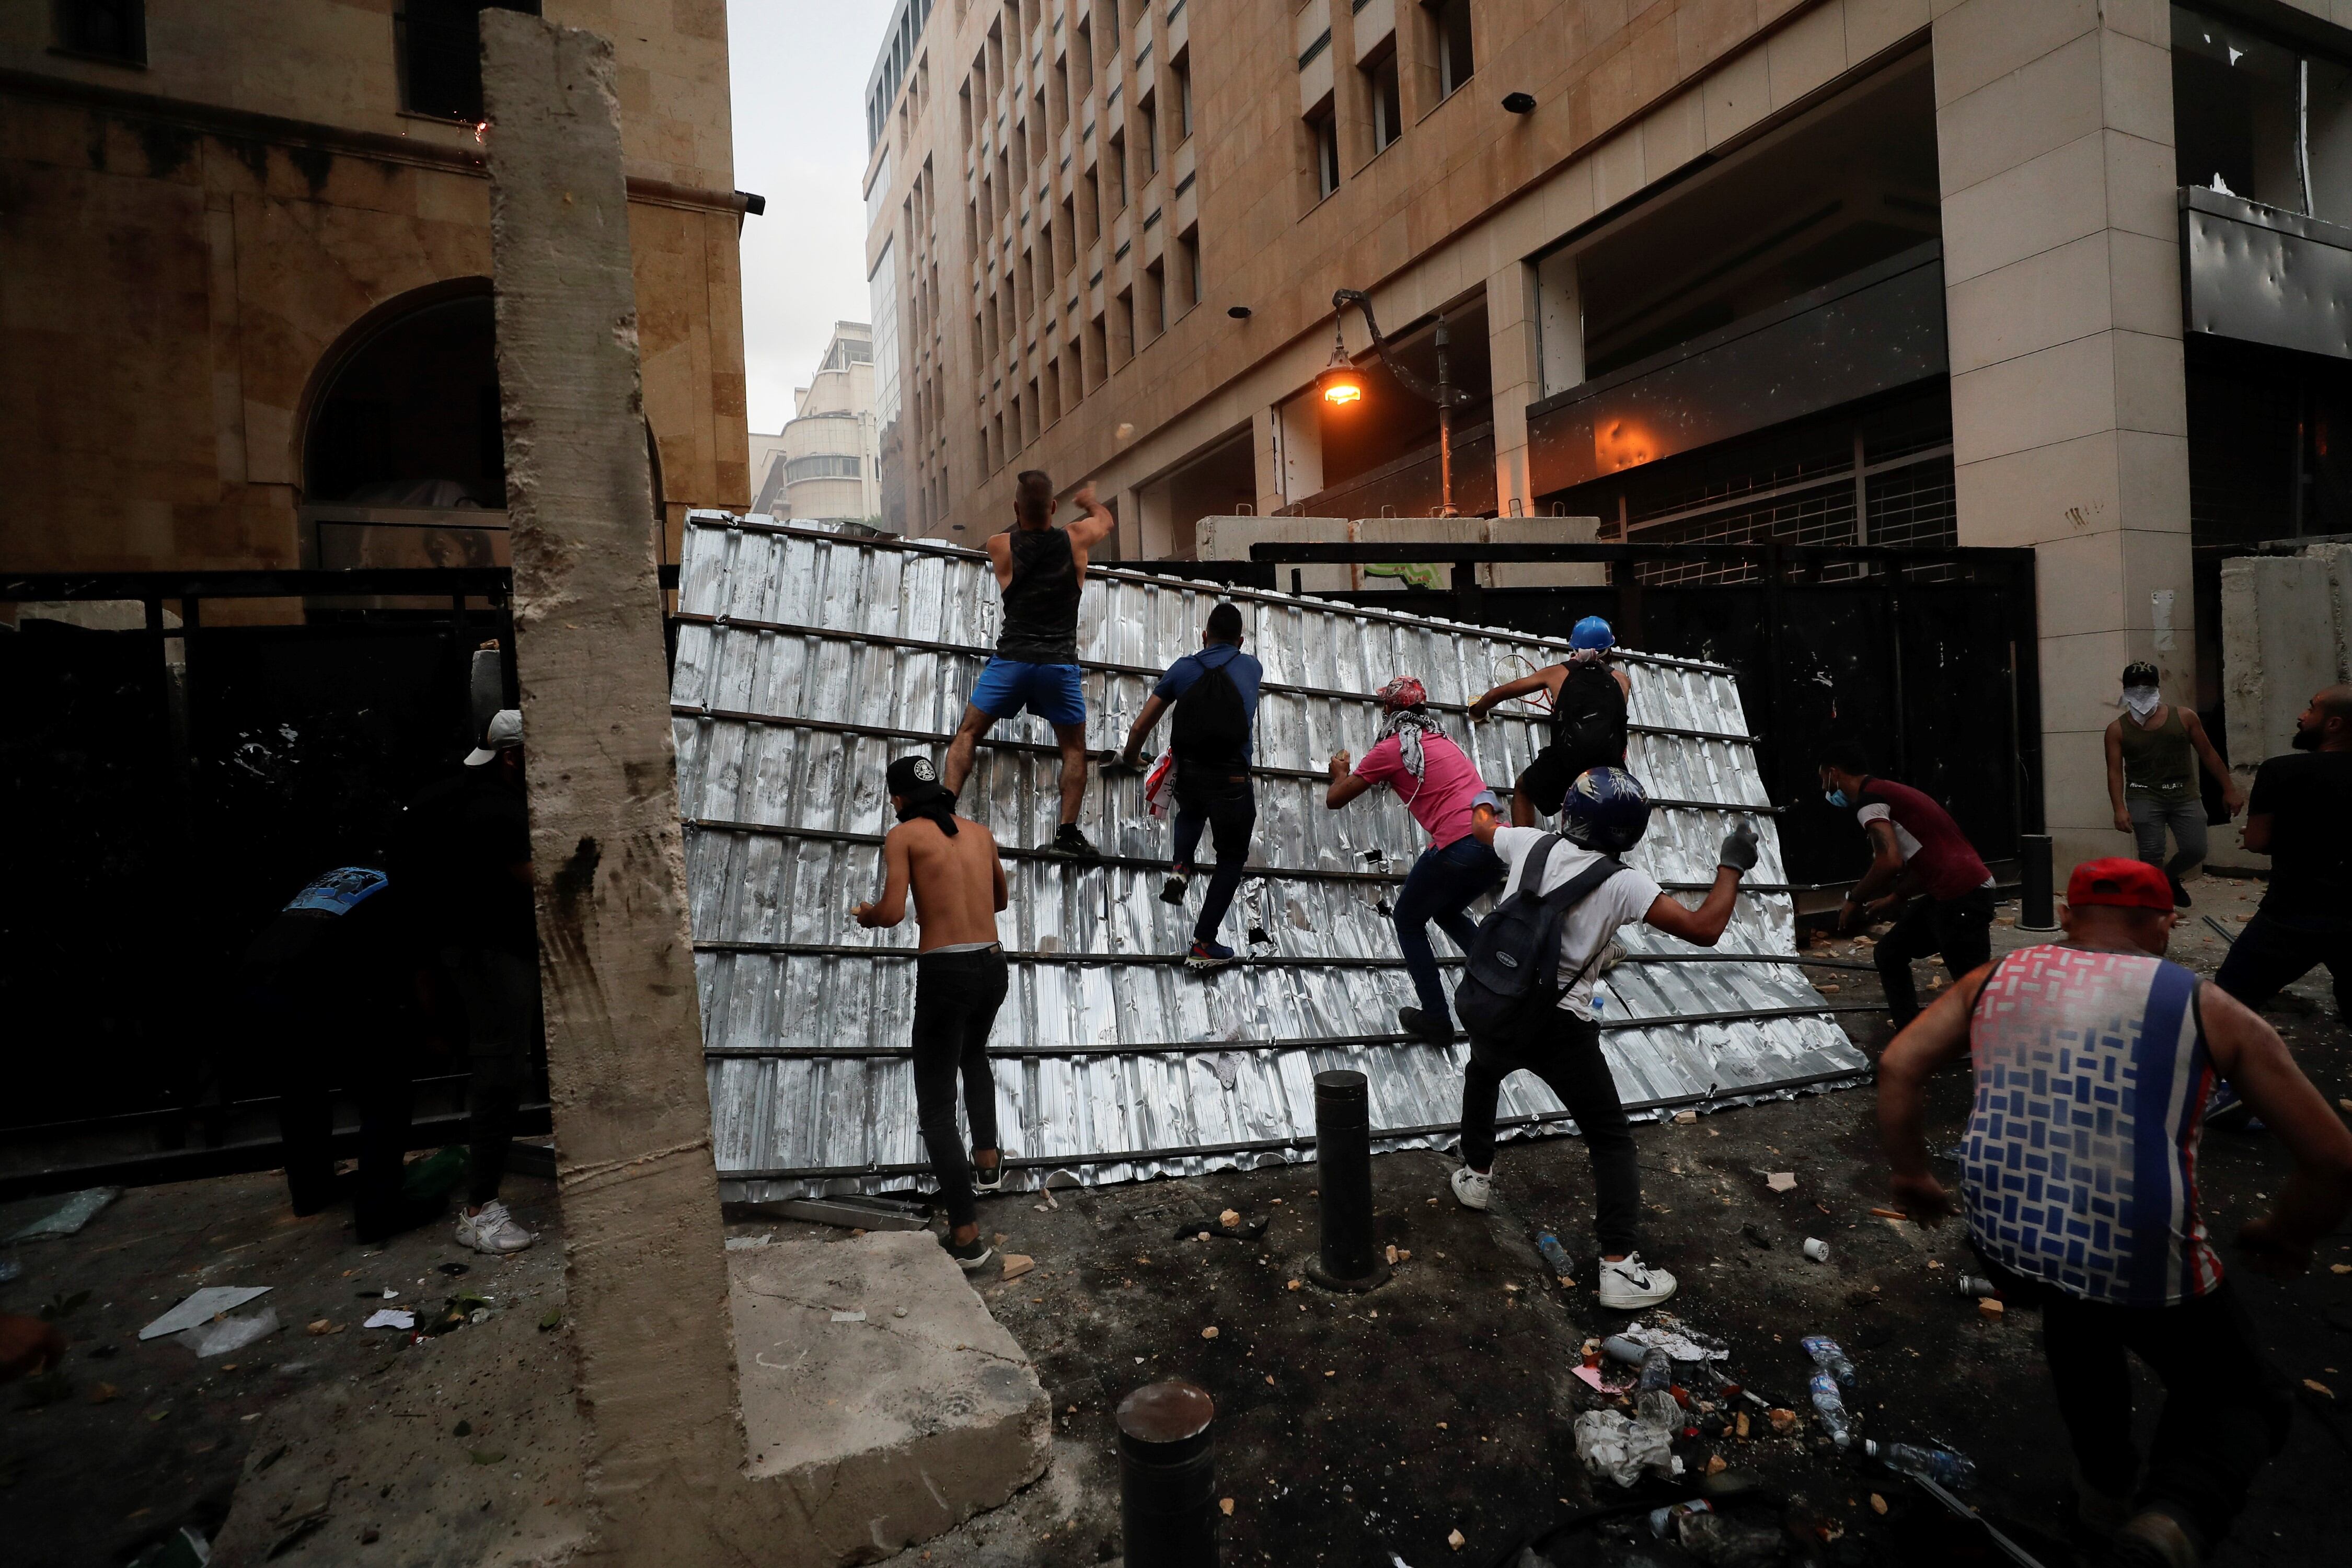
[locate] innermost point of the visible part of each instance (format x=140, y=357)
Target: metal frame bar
x=849, y=950
x=1304, y=1141
x=363, y=581
x=968, y=650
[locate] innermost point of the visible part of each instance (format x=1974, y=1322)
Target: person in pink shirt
x=1438, y=785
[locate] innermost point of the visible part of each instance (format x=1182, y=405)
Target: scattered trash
x=454, y=1270
x=1017, y=1264
x=748, y=1243
x=1890, y=1213
x=385, y=1294
x=1555, y=1255
x=1670, y=1335
x=1831, y=1359
x=1225, y=1506
x=1591, y=1376
x=1990, y=1307
x=1783, y=1421
x=230, y=1334
x=73, y=1212
x=1722, y=1542
x=1830, y=1408
x=1917, y=1459
x=435, y=1176
x=1756, y=1237
x=549, y=1320
x=1229, y=1223
x=202, y=1306
x=2316, y=1386
x=1230, y=1218
x=1455, y=1539
x=1817, y=1250
x=1686, y=1117
x=391, y=1318
x=1619, y=1448
x=1664, y=1519
x=1210, y=1333
x=849, y=1317
x=1781, y=1180
x=1877, y=1503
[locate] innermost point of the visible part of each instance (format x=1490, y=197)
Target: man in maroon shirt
x=1921, y=864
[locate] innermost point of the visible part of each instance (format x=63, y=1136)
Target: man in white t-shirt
x=1605, y=813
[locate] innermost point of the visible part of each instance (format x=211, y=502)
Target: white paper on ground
x=202, y=1306
x=231, y=1333
x=391, y=1318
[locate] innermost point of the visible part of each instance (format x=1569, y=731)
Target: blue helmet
x=1606, y=810
x=1592, y=632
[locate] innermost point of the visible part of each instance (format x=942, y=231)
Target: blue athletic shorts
x=1051, y=692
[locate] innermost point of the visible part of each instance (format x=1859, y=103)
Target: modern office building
x=247, y=278
x=825, y=465
x=2056, y=273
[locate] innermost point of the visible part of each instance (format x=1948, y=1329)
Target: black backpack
x=1514, y=961
x=1210, y=728
x=1588, y=716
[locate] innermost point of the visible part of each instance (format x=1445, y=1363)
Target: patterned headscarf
x=1403, y=699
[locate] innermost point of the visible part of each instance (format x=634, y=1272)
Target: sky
x=799, y=70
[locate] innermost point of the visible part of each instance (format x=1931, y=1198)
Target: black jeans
x=1960, y=929
x=1441, y=887
x=1563, y=1050
x=1228, y=805
x=2274, y=951
x=499, y=992
x=956, y=998
x=2226, y=1409
x=315, y=1047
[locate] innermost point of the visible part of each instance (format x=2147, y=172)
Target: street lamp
x=1341, y=385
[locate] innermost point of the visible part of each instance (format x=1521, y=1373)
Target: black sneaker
x=1071, y=842
x=988, y=1179
x=1422, y=1026
x=2180, y=893
x=1172, y=891
x=971, y=1255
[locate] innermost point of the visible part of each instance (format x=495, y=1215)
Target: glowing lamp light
x=1341, y=385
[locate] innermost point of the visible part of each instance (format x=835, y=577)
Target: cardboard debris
x=391, y=1318
x=1781, y=1180
x=1017, y=1264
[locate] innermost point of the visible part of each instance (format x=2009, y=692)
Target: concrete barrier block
x=887, y=1429
x=2280, y=641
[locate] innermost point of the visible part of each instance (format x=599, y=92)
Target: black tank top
x=1041, y=602
x=1588, y=716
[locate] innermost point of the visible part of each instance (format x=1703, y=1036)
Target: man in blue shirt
x=1214, y=693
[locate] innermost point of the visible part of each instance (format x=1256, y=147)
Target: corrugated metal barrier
x=807, y=660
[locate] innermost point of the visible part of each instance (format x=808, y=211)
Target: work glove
x=1739, y=847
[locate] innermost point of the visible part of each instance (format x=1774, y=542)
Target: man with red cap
x=2094, y=1060
x=1438, y=782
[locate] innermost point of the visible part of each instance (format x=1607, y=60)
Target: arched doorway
x=402, y=460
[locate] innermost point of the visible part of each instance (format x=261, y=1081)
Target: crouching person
x=951, y=862
x=1527, y=994
x=2095, y=1058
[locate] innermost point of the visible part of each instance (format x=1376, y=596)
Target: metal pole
x=1343, y=1153
x=2034, y=910
x=1444, y=428
x=1168, y=1476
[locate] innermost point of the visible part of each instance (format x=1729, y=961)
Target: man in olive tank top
x=2153, y=749
x=1042, y=571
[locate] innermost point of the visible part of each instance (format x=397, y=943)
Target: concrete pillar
x=1300, y=422
x=2284, y=622
x=1265, y=449
x=647, y=1282
x=1512, y=353
x=2062, y=293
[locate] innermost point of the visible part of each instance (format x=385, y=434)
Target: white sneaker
x=1471, y=1188
x=1629, y=1285
x=493, y=1230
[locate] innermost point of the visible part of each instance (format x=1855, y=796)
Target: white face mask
x=2140, y=700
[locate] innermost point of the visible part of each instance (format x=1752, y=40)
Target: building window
x=1182, y=70
x=1155, y=298
x=1148, y=122
x=1323, y=133
x=1388, y=102
x=1118, y=174
x=441, y=54
x=1450, y=21
x=1188, y=254
x=110, y=29
x=824, y=466
x=2256, y=119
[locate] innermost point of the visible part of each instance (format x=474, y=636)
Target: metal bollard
x=2034, y=911
x=1168, y=1476
x=1343, y=1155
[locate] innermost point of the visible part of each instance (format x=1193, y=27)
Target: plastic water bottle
x=1831, y=1359
x=1939, y=1465
x=1617, y=1347
x=1662, y=1519
x=1830, y=1408
x=1554, y=1254
x=1658, y=1369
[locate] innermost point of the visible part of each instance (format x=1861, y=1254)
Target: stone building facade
x=246, y=265
x=1983, y=272
x=825, y=465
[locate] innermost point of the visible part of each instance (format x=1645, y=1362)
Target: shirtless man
x=959, y=982
x=1042, y=571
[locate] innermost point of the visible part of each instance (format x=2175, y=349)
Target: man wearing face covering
x=951, y=862
x=2153, y=749
x=2300, y=815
